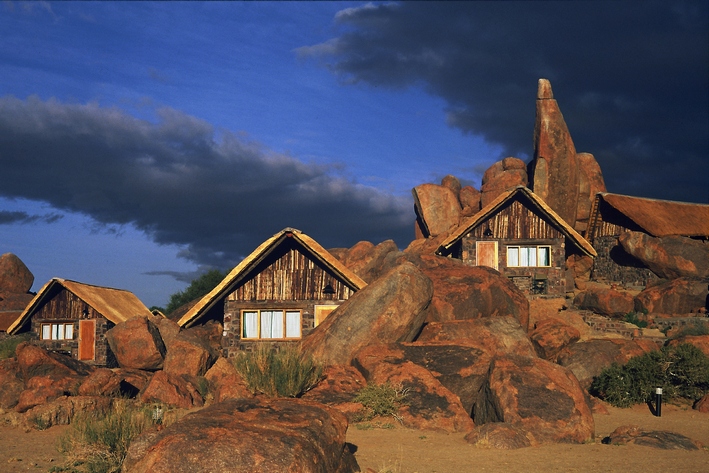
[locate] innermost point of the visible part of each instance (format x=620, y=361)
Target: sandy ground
x=400, y=450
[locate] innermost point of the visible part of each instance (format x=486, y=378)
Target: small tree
x=197, y=288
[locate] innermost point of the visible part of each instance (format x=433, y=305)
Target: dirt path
x=401, y=450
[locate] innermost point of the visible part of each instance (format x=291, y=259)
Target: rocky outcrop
x=470, y=199
x=554, y=170
x=500, y=435
x=189, y=355
x=62, y=410
x=390, y=309
x=172, y=390
x=368, y=264
x=437, y=207
x=605, y=301
x=668, y=257
x=248, y=436
x=591, y=182
x=428, y=405
x=137, y=344
x=15, y=277
x=702, y=405
x=491, y=335
x=501, y=176
x=587, y=359
x=678, y=296
x=102, y=382
x=225, y=382
x=537, y=396
x=552, y=335
x=464, y=292
x=662, y=439
x=338, y=388
x=699, y=341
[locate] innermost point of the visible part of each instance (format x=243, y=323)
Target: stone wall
x=614, y=265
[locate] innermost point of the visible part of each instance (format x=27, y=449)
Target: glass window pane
x=512, y=256
x=266, y=316
x=532, y=256
x=544, y=256
x=55, y=331
x=46, y=332
x=293, y=324
x=523, y=257
x=60, y=332
x=250, y=325
x=277, y=328
x=69, y=331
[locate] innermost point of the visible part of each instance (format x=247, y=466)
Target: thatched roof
x=657, y=217
x=471, y=222
x=242, y=270
x=117, y=305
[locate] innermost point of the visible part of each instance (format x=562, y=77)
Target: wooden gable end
x=62, y=304
x=290, y=273
x=517, y=220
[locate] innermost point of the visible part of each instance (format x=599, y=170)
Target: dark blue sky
x=142, y=142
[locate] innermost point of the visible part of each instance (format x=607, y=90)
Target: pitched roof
x=238, y=274
x=117, y=305
x=657, y=217
x=471, y=222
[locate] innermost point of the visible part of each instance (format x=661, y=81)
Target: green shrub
x=9, y=344
x=380, y=400
x=632, y=317
x=99, y=445
x=278, y=373
x=693, y=329
x=681, y=372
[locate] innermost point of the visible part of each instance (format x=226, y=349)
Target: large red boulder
x=137, y=344
x=189, y=355
x=501, y=436
x=225, y=382
x=464, y=292
x=11, y=384
x=437, y=207
x=390, y=309
x=470, y=201
x=248, y=436
x=605, y=301
x=172, y=390
x=43, y=389
x=15, y=277
x=669, y=257
x=662, y=439
x=428, y=404
x=554, y=170
x=492, y=335
x=678, y=296
x=62, y=410
x=368, y=265
x=338, y=388
x=538, y=396
x=552, y=335
x=586, y=359
x=35, y=361
x=501, y=176
x=591, y=182
x=102, y=382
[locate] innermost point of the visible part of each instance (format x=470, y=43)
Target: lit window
x=528, y=256
x=271, y=324
x=57, y=331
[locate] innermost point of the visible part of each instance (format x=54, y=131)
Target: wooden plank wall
x=293, y=276
x=64, y=304
x=516, y=222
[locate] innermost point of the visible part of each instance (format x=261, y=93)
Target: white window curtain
x=272, y=324
x=46, y=332
x=512, y=256
x=69, y=331
x=293, y=324
x=250, y=328
x=532, y=258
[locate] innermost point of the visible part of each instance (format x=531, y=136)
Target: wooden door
x=322, y=311
x=486, y=253
x=87, y=339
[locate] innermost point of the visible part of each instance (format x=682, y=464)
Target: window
x=270, y=324
x=57, y=331
x=528, y=256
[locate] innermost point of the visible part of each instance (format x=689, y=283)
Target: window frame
x=65, y=329
x=284, y=326
x=538, y=253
